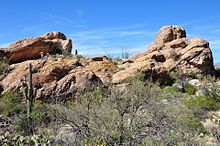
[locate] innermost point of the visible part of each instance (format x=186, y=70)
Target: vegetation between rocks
x=146, y=114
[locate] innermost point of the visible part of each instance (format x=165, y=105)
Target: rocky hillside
x=60, y=76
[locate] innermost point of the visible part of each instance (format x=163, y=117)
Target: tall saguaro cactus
x=29, y=93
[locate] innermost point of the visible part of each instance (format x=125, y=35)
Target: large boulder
x=170, y=51
x=31, y=48
x=103, y=67
x=169, y=33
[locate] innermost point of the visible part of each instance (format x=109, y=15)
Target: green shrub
x=172, y=94
x=4, y=66
x=39, y=117
x=190, y=89
x=69, y=57
x=170, y=89
x=43, y=139
x=140, y=76
x=78, y=62
x=200, y=104
x=132, y=116
x=96, y=141
x=191, y=120
x=10, y=104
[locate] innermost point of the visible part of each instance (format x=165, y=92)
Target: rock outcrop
x=68, y=77
x=169, y=33
x=60, y=78
x=31, y=48
x=170, y=50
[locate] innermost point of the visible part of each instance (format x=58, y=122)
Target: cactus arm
x=30, y=76
x=25, y=92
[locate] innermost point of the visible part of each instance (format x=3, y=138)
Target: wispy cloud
x=4, y=45
x=47, y=21
x=108, y=41
x=32, y=28
x=209, y=30
x=80, y=12
x=136, y=39
x=216, y=30
x=80, y=26
x=215, y=44
x=87, y=50
x=54, y=18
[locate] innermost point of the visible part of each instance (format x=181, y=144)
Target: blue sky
x=105, y=27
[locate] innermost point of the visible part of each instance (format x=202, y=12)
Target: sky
x=106, y=27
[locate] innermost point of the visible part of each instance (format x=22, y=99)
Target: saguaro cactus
x=29, y=93
x=76, y=52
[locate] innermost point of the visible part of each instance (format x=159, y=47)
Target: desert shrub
x=70, y=57
x=21, y=124
x=213, y=88
x=10, y=104
x=97, y=96
x=172, y=94
x=190, y=89
x=217, y=72
x=178, y=74
x=200, y=104
x=208, y=79
x=140, y=76
x=4, y=66
x=43, y=139
x=174, y=55
x=170, y=89
x=39, y=117
x=96, y=141
x=40, y=114
x=127, y=117
x=78, y=57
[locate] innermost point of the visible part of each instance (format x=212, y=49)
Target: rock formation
x=170, y=50
x=61, y=77
x=31, y=48
x=67, y=77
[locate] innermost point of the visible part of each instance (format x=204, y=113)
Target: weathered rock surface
x=68, y=77
x=60, y=77
x=170, y=50
x=103, y=68
x=169, y=33
x=31, y=48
